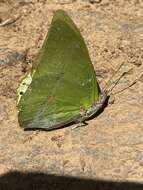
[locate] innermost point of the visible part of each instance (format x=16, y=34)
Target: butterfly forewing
x=64, y=80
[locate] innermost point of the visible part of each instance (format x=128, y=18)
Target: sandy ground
x=111, y=146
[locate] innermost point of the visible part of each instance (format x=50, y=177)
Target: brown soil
x=111, y=146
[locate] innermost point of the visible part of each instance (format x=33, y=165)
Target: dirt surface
x=110, y=147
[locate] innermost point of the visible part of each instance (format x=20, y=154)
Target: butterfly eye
x=21, y=93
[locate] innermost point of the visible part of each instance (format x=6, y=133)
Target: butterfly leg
x=111, y=100
x=80, y=124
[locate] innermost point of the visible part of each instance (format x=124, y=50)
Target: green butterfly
x=61, y=87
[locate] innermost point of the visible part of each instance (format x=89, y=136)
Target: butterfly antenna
x=117, y=81
x=134, y=82
x=110, y=79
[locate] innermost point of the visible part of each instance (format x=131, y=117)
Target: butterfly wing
x=63, y=79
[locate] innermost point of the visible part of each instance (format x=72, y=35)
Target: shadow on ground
x=40, y=181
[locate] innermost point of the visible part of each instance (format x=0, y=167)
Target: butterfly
x=61, y=87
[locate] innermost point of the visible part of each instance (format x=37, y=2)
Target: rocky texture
x=111, y=146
